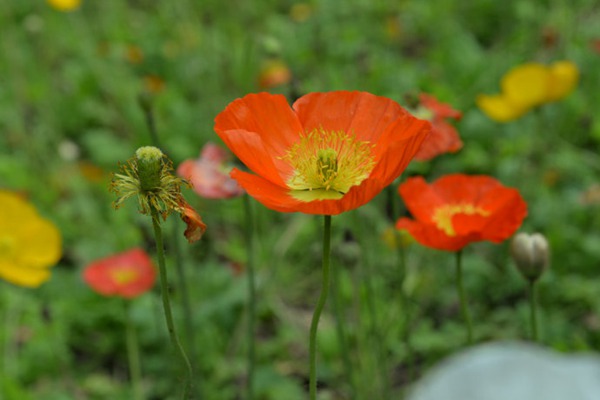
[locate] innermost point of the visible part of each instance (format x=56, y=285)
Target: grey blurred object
x=512, y=371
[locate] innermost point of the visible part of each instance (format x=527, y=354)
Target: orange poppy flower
x=459, y=209
x=328, y=153
x=443, y=137
x=126, y=275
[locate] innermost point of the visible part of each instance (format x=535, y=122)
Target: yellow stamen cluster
x=122, y=276
x=442, y=216
x=329, y=161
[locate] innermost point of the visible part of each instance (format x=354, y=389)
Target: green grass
x=66, y=79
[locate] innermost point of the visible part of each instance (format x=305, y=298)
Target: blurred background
x=73, y=87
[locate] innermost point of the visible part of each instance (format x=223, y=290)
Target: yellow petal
x=564, y=76
x=499, y=108
x=65, y=5
x=40, y=244
x=526, y=85
x=23, y=276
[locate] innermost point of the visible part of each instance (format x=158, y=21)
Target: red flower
x=459, y=209
x=208, y=175
x=443, y=137
x=126, y=275
x=328, y=153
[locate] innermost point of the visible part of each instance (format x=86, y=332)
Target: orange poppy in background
x=126, y=275
x=443, y=137
x=460, y=209
x=328, y=153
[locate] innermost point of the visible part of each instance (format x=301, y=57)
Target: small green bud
x=150, y=165
x=531, y=254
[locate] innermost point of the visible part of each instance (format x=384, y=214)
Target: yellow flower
x=528, y=86
x=65, y=5
x=29, y=244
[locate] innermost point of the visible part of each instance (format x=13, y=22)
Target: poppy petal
x=564, y=76
x=24, y=276
x=428, y=235
x=268, y=115
x=499, y=108
x=526, y=85
x=420, y=198
x=279, y=199
x=360, y=113
x=252, y=151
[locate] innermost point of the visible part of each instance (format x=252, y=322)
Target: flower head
x=528, y=86
x=459, y=209
x=149, y=176
x=531, y=253
x=128, y=274
x=443, y=137
x=328, y=153
x=65, y=5
x=29, y=244
x=209, y=175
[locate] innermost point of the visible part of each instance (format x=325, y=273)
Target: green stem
x=251, y=296
x=185, y=298
x=146, y=104
x=464, y=307
x=312, y=382
x=533, y=310
x=164, y=288
x=133, y=354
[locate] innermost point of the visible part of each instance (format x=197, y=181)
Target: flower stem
x=251, y=296
x=164, y=288
x=533, y=309
x=464, y=307
x=133, y=354
x=312, y=382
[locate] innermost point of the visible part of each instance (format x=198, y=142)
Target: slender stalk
x=312, y=382
x=133, y=355
x=533, y=308
x=251, y=296
x=464, y=307
x=164, y=288
x=340, y=331
x=146, y=104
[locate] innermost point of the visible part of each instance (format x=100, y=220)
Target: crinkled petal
x=267, y=115
x=363, y=114
x=251, y=150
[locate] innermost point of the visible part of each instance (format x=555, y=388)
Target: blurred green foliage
x=69, y=113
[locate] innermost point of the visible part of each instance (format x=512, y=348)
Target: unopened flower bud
x=150, y=165
x=531, y=254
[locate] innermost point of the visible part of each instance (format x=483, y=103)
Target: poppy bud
x=150, y=165
x=531, y=254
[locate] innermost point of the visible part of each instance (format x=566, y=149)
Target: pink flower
x=443, y=137
x=209, y=174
